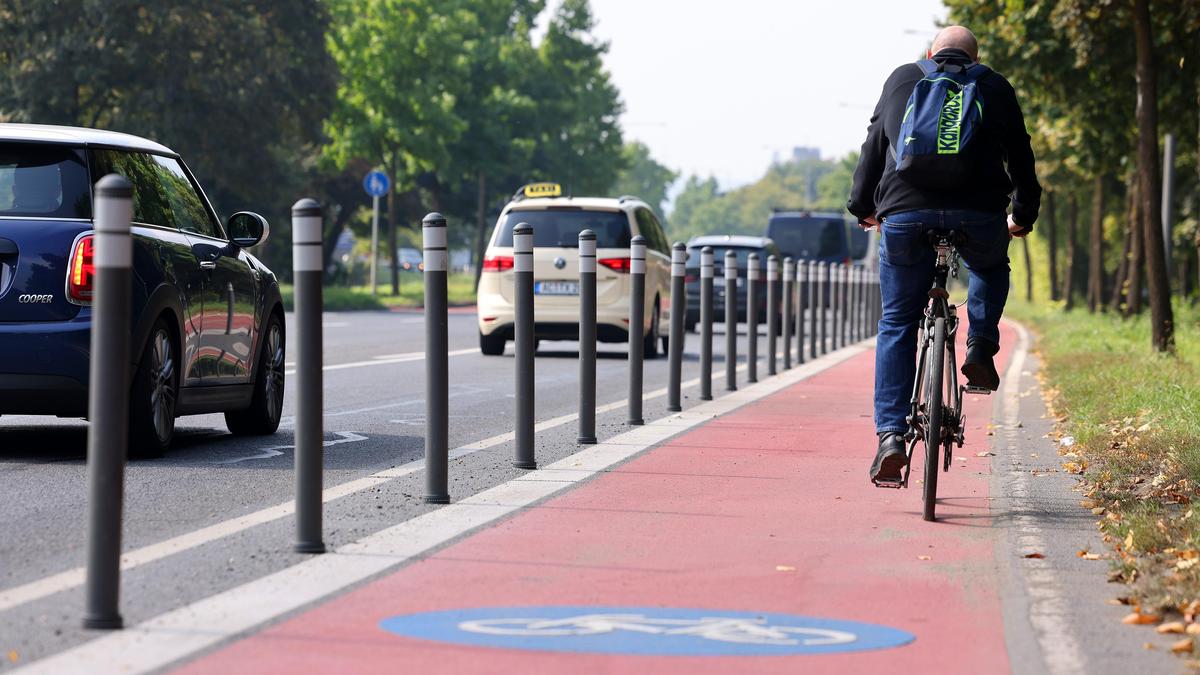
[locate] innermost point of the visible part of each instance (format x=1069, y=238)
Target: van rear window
x=43, y=181
x=560, y=228
x=809, y=238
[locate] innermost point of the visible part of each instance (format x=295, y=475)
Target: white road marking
x=182, y=632
x=276, y=451
x=56, y=583
x=1047, y=603
x=392, y=358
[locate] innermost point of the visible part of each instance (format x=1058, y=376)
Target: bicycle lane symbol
x=645, y=631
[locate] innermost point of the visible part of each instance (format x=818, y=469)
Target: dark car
x=804, y=235
x=207, y=329
x=742, y=247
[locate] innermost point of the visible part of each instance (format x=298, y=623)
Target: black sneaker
x=978, y=367
x=888, y=467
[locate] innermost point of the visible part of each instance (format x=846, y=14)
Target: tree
x=643, y=176
x=1161, y=316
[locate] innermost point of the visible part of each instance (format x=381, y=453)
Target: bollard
x=637, y=319
x=523, y=344
x=835, y=287
x=587, y=337
x=812, y=309
x=678, y=314
x=823, y=300
x=847, y=304
x=801, y=305
x=860, y=325
x=310, y=450
x=789, y=275
x=772, y=310
x=706, y=319
x=752, y=278
x=437, y=361
x=731, y=322
x=108, y=433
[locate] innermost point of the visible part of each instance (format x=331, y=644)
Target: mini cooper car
x=207, y=328
x=557, y=222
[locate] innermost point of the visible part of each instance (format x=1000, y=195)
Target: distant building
x=803, y=153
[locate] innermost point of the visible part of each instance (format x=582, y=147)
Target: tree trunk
x=1028, y=270
x=1095, y=288
x=391, y=224
x=1120, y=291
x=1069, y=271
x=1162, y=323
x=480, y=227
x=1051, y=227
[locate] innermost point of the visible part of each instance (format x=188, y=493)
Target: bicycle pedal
x=983, y=391
x=897, y=484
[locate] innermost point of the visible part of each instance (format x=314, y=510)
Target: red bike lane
x=766, y=509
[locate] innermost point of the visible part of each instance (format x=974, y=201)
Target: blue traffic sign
x=376, y=183
x=655, y=631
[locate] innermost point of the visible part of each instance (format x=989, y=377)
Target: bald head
x=956, y=37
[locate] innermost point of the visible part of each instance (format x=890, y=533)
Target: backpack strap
x=928, y=66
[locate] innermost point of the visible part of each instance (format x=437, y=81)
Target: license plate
x=556, y=288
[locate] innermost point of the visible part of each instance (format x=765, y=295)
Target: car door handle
x=208, y=265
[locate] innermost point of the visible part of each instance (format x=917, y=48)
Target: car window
x=651, y=230
x=186, y=204
x=808, y=238
x=150, y=206
x=43, y=181
x=742, y=253
x=560, y=227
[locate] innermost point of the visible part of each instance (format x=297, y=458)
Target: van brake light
x=497, y=263
x=621, y=265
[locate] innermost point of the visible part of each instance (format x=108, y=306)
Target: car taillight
x=497, y=263
x=689, y=278
x=81, y=273
x=616, y=264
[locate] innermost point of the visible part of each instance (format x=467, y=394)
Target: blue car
x=207, y=322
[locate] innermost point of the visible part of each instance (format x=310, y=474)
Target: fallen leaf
x=1092, y=556
x=924, y=557
x=985, y=454
x=1088, y=504
x=1171, y=627
x=1148, y=645
x=1098, y=511
x=1183, y=646
x=1136, y=618
x=1193, y=629
x=12, y=656
x=784, y=568
x=1034, y=555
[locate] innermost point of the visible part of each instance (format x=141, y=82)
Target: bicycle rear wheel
x=933, y=414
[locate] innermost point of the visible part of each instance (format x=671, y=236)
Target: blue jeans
x=906, y=262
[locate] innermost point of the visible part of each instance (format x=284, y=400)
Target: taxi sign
x=534, y=190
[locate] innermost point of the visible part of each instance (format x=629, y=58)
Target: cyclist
x=998, y=170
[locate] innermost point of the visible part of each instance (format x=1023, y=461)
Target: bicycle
x=936, y=418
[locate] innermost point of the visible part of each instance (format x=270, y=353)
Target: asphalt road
x=181, y=506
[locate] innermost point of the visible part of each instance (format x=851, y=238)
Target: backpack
x=943, y=114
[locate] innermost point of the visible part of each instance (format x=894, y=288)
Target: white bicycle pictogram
x=721, y=629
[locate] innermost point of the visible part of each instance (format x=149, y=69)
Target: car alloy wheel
x=162, y=392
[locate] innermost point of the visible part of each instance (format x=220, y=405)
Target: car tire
x=154, y=394
x=266, y=406
x=492, y=345
x=650, y=340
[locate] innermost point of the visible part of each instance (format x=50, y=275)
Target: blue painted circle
x=652, y=631
x=376, y=183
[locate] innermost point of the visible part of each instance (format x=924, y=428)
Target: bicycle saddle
x=955, y=237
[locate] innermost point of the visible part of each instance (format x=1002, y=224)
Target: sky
x=725, y=88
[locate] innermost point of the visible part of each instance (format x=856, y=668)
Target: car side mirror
x=247, y=229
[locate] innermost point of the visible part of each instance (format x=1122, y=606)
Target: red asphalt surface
x=765, y=509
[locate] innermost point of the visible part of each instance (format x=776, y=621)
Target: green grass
x=460, y=289
x=1135, y=417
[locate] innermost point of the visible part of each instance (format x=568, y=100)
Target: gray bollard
x=752, y=278
x=789, y=275
x=772, y=310
x=731, y=322
x=847, y=304
x=861, y=324
x=310, y=431
x=823, y=302
x=637, y=319
x=523, y=344
x=437, y=361
x=706, y=321
x=108, y=432
x=811, y=273
x=835, y=287
x=678, y=316
x=801, y=306
x=587, y=337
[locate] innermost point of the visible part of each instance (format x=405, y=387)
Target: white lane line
x=276, y=451
x=390, y=358
x=1048, y=605
x=182, y=632
x=56, y=583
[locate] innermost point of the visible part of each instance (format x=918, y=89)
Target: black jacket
x=1002, y=141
